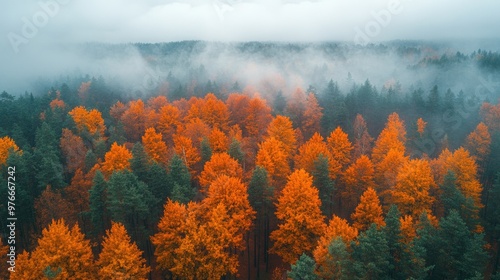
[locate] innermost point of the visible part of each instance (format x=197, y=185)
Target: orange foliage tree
x=157, y=102
x=412, y=190
x=393, y=136
x=117, y=158
x=340, y=147
x=136, y=118
x=408, y=231
x=57, y=103
x=478, y=142
x=154, y=146
x=89, y=121
x=120, y=258
x=191, y=249
x=491, y=115
x=362, y=139
x=61, y=254
x=218, y=141
x=77, y=195
x=169, y=119
x=301, y=221
x=368, y=211
x=273, y=158
x=51, y=205
x=421, y=124
x=218, y=165
x=183, y=146
x=281, y=128
x=237, y=105
x=388, y=155
x=337, y=227
x=6, y=145
x=463, y=165
x=210, y=110
x=233, y=194
x=73, y=149
x=312, y=116
x=168, y=238
x=309, y=153
x=357, y=178
x=257, y=118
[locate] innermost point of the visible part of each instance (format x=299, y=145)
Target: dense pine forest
x=326, y=169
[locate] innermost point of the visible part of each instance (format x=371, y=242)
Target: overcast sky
x=248, y=20
x=33, y=31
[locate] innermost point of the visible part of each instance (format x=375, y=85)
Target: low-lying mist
x=265, y=67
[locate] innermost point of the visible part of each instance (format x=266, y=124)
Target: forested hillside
x=203, y=176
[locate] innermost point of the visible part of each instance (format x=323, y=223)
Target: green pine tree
x=235, y=151
x=303, y=269
x=324, y=184
x=97, y=198
x=180, y=180
x=48, y=168
x=371, y=255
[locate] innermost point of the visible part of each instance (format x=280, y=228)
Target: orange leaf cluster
x=117, y=158
x=154, y=146
x=301, y=221
x=272, y=156
x=73, y=149
x=412, y=190
x=218, y=165
x=90, y=121
x=421, y=124
x=478, y=142
x=6, y=145
x=60, y=251
x=337, y=227
x=368, y=211
x=120, y=258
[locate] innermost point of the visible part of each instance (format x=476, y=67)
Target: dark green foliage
x=117, y=134
x=97, y=198
x=454, y=200
x=129, y=201
x=434, y=100
x=140, y=162
x=371, y=255
x=49, y=170
x=451, y=197
x=324, y=184
x=453, y=251
x=206, y=151
x=303, y=269
x=235, y=151
x=340, y=260
x=180, y=180
x=335, y=114
x=493, y=210
x=406, y=259
x=158, y=184
x=259, y=191
x=90, y=160
x=24, y=192
x=461, y=253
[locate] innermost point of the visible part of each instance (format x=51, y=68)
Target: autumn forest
x=213, y=178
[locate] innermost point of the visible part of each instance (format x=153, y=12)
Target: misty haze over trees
x=257, y=160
